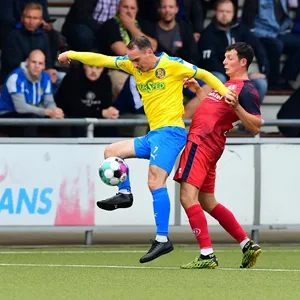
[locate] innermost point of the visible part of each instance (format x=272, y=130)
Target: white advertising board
x=59, y=185
x=280, y=182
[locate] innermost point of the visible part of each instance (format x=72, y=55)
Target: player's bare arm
x=251, y=122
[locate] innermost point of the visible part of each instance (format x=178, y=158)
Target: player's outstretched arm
x=89, y=58
x=212, y=81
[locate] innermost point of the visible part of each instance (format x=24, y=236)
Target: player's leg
x=166, y=144
x=124, y=198
x=191, y=174
x=227, y=220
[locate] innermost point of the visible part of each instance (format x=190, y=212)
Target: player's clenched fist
x=63, y=58
x=232, y=99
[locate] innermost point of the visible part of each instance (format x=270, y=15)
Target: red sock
x=227, y=220
x=198, y=224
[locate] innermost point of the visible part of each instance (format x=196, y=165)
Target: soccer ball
x=113, y=171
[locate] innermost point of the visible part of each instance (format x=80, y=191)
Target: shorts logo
x=196, y=231
x=160, y=73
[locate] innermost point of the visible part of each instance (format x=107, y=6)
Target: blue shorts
x=161, y=146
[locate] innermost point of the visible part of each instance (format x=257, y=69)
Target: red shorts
x=196, y=168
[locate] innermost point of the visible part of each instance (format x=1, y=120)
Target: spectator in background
x=189, y=11
x=84, y=21
x=175, y=38
x=116, y=34
x=211, y=4
x=11, y=13
x=85, y=92
x=221, y=33
x=271, y=23
x=26, y=37
x=27, y=93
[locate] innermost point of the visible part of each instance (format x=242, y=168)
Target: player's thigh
x=122, y=149
x=142, y=146
x=166, y=143
x=193, y=165
x=209, y=182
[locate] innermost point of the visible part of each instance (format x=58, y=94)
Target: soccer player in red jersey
x=196, y=172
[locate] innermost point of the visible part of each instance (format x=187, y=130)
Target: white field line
x=33, y=251
x=134, y=267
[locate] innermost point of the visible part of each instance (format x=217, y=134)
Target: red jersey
x=214, y=117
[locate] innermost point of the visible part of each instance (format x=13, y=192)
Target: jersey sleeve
x=189, y=70
x=104, y=61
x=249, y=99
x=211, y=80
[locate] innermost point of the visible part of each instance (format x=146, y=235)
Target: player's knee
x=186, y=199
x=110, y=151
x=154, y=184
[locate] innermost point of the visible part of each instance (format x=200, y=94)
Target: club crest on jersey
x=232, y=87
x=160, y=73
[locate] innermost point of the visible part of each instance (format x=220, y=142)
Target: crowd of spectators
x=33, y=84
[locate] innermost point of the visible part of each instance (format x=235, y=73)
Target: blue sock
x=161, y=208
x=126, y=184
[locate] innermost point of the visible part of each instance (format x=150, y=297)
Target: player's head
x=167, y=10
x=238, y=58
x=35, y=63
x=128, y=7
x=224, y=13
x=32, y=16
x=140, y=52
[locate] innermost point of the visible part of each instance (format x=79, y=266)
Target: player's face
x=141, y=59
x=35, y=64
x=92, y=73
x=225, y=13
x=32, y=19
x=168, y=10
x=232, y=63
x=128, y=7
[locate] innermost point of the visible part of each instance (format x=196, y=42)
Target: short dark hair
x=219, y=2
x=140, y=42
x=33, y=5
x=243, y=50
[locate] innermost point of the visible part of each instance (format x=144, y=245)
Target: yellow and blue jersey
x=160, y=87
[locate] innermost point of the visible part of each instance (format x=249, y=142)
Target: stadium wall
x=58, y=185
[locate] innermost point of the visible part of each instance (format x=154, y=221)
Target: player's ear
x=243, y=62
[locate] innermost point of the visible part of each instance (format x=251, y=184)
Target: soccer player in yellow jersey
x=159, y=80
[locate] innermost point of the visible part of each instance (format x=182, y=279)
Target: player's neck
x=239, y=76
x=167, y=25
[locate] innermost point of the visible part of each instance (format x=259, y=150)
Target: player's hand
x=110, y=113
x=63, y=58
x=192, y=85
x=232, y=99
